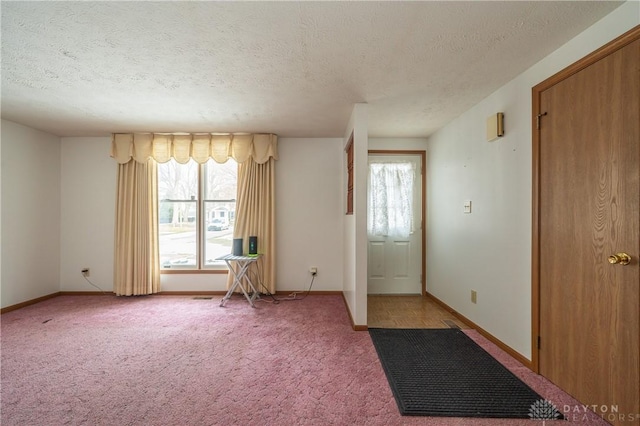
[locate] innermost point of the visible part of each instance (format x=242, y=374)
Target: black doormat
x=443, y=373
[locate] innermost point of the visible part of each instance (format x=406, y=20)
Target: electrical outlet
x=474, y=296
x=313, y=270
x=86, y=272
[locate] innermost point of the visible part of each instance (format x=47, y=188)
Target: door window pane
x=390, y=199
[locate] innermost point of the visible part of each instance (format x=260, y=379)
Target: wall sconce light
x=495, y=126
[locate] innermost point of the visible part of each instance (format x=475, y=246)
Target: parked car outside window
x=218, y=224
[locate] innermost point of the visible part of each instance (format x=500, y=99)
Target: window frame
x=349, y=152
x=200, y=267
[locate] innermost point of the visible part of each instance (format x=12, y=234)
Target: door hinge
x=538, y=342
x=538, y=119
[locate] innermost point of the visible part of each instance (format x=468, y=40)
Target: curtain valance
x=199, y=146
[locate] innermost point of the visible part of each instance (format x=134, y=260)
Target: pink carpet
x=174, y=360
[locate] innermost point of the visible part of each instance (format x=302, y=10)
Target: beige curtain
x=199, y=146
x=255, y=216
x=137, y=264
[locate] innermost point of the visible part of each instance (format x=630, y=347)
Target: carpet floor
x=176, y=360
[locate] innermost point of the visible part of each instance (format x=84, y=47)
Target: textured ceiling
x=291, y=68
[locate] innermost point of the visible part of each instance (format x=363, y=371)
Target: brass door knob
x=619, y=258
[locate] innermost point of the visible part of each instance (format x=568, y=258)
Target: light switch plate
x=467, y=206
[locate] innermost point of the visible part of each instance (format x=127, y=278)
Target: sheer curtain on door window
x=390, y=199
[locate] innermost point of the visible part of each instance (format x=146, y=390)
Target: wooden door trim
x=536, y=92
x=423, y=196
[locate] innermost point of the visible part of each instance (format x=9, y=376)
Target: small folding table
x=239, y=273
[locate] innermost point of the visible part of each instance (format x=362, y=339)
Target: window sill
x=194, y=271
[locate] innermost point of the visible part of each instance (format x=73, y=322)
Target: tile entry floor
x=411, y=311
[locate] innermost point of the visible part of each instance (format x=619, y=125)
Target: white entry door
x=394, y=224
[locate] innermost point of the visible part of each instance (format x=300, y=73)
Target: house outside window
x=196, y=213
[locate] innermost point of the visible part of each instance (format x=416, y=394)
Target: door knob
x=619, y=258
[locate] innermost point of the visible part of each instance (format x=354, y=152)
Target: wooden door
x=589, y=187
x=394, y=263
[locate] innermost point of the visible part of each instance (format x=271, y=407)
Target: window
x=196, y=211
x=390, y=199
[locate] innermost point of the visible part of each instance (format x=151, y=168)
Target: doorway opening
x=396, y=232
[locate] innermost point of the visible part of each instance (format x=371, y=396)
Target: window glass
x=178, y=214
x=390, y=199
x=220, y=186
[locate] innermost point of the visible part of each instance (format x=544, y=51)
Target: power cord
x=89, y=281
x=293, y=296
x=256, y=277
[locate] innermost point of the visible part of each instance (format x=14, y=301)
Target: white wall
x=355, y=225
x=88, y=177
x=489, y=250
x=410, y=144
x=1, y=305
x=30, y=251
x=309, y=212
